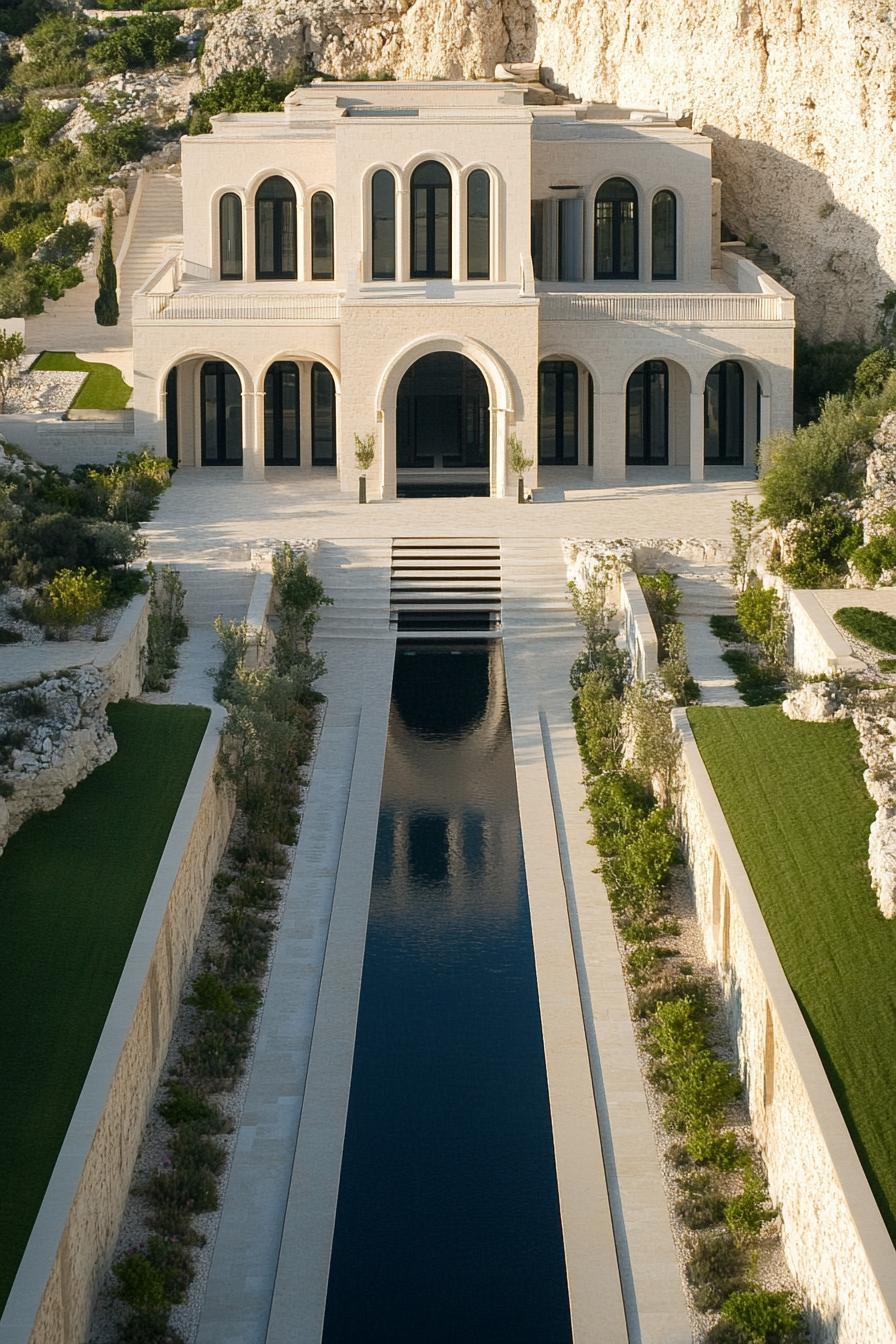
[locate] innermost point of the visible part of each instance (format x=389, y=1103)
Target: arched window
x=281, y=415
x=723, y=413
x=382, y=216
x=430, y=221
x=647, y=415
x=663, y=236
x=321, y=236
x=323, y=417
x=616, y=231
x=230, y=236
x=558, y=412
x=478, y=225
x=221, y=429
x=275, y=230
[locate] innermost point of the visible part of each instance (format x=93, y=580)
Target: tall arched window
x=478, y=225
x=281, y=414
x=723, y=413
x=321, y=236
x=664, y=236
x=616, y=231
x=647, y=415
x=430, y=221
x=558, y=412
x=230, y=236
x=275, y=230
x=382, y=216
x=221, y=428
x=323, y=416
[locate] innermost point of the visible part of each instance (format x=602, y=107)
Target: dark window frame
x=616, y=223
x=225, y=202
x=326, y=270
x=559, y=369
x=273, y=405
x=662, y=198
x=380, y=249
x=218, y=369
x=649, y=369
x=318, y=373
x=731, y=425
x=477, y=272
x=283, y=204
x=430, y=214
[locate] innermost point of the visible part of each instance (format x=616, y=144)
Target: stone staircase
x=535, y=594
x=355, y=574
x=440, y=583
x=705, y=593
x=157, y=232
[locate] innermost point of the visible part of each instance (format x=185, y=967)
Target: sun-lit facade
x=444, y=265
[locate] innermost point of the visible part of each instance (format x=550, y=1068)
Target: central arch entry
x=442, y=426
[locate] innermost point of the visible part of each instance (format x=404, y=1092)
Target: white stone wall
x=75, y=1231
x=834, y=1237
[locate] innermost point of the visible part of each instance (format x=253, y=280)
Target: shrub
x=655, y=744
x=233, y=636
x=674, y=671
x=56, y=54
x=871, y=627
x=136, y=44
x=74, y=597
x=763, y=620
x=756, y=683
x=12, y=348
x=300, y=595
x=637, y=873
x=822, y=369
x=700, y=1205
x=106, y=304
x=822, y=548
x=744, y=521
x=41, y=124
x=618, y=804
x=109, y=147
x=185, y=1105
x=873, y=372
x=67, y=245
x=765, y=1317
x=747, y=1213
x=140, y=1284
x=662, y=595
x=166, y=627
x=715, y=1269
x=598, y=718
x=237, y=91
x=877, y=555
x=727, y=628
x=821, y=459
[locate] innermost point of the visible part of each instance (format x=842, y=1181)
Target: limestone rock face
x=799, y=97
x=815, y=702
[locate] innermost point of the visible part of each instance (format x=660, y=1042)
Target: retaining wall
x=76, y=1228
x=834, y=1236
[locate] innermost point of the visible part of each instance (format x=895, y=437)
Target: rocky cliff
x=799, y=97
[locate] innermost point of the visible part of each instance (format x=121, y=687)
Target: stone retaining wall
x=834, y=1237
x=75, y=1230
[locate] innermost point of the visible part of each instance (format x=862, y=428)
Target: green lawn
x=797, y=806
x=103, y=390
x=73, y=884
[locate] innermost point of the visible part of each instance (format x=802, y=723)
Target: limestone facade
x=628, y=277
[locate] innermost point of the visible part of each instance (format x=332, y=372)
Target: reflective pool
x=448, y=1223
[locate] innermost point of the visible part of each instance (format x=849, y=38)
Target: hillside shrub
x=247, y=90
x=821, y=549
x=872, y=374
x=57, y=49
x=166, y=627
x=763, y=620
x=821, y=370
x=872, y=627
x=106, y=149
x=136, y=44
x=74, y=597
x=878, y=555
x=764, y=1317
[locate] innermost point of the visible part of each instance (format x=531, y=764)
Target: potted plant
x=519, y=465
x=364, y=454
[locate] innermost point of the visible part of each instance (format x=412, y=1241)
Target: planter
x=520, y=491
x=362, y=489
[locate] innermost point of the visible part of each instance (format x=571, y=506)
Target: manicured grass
x=73, y=884
x=799, y=812
x=103, y=390
x=872, y=627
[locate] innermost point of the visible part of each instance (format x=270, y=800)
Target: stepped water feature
x=445, y=583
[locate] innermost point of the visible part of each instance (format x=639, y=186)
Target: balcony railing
x=219, y=306
x=705, y=309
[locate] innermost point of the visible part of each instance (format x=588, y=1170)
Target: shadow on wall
x=829, y=254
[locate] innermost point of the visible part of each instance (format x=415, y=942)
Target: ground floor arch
x=442, y=418
x=565, y=413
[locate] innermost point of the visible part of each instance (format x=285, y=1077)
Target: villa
x=447, y=264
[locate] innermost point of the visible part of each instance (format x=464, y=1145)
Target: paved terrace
x=269, y=1269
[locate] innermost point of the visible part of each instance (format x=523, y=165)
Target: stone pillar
x=456, y=227
x=385, y=448
x=253, y=436
x=696, y=436
x=609, y=447
x=402, y=242
x=582, y=417
x=498, y=437
x=305, y=444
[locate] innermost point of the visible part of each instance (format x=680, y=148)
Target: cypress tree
x=106, y=306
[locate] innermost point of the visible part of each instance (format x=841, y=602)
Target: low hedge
x=871, y=627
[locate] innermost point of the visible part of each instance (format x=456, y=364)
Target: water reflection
x=448, y=1225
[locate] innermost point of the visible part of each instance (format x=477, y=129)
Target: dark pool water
x=448, y=1224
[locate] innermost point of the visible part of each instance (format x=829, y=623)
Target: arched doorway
x=723, y=414
x=442, y=422
x=558, y=413
x=647, y=415
x=281, y=414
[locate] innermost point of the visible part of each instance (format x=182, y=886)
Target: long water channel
x=448, y=1223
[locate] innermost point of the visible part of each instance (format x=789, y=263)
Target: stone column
x=402, y=241
x=253, y=436
x=609, y=448
x=385, y=448
x=498, y=437
x=582, y=417
x=696, y=436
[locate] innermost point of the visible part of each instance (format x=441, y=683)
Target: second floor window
x=230, y=233
x=478, y=222
x=382, y=215
x=321, y=236
x=616, y=231
x=663, y=238
x=431, y=221
x=275, y=230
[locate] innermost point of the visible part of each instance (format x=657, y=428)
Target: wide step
x=445, y=583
